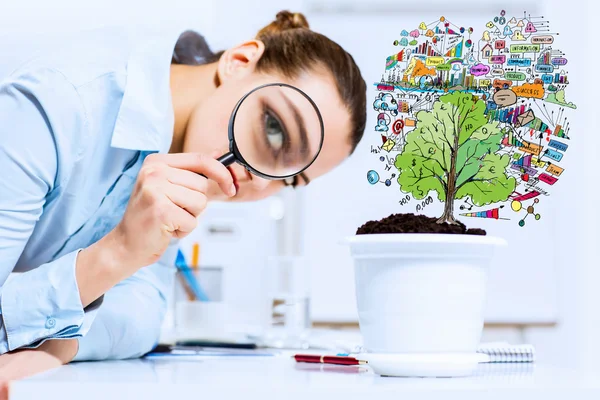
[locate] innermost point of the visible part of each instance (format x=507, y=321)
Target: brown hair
x=290, y=48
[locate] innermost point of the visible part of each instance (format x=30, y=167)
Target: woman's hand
x=168, y=196
x=26, y=362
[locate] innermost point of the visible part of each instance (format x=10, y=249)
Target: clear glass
x=288, y=291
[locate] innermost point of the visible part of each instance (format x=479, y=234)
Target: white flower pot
x=422, y=293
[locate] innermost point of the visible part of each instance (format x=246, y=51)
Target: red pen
x=314, y=358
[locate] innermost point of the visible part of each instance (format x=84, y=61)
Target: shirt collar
x=146, y=117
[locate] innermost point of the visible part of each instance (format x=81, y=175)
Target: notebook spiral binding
x=509, y=354
x=505, y=372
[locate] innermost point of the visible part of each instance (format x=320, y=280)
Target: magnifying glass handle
x=226, y=159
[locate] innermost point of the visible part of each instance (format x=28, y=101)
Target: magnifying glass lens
x=277, y=131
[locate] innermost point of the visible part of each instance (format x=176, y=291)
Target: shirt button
x=50, y=323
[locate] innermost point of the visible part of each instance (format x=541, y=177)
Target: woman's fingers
x=193, y=201
x=4, y=390
x=183, y=222
x=167, y=197
x=188, y=179
x=200, y=164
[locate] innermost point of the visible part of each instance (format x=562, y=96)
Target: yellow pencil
x=195, y=255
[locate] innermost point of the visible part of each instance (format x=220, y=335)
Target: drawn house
x=486, y=51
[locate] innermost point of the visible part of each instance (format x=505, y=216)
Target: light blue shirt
x=75, y=126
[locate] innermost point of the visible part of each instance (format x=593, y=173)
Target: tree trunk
x=448, y=215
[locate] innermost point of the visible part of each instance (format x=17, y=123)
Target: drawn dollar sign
x=414, y=162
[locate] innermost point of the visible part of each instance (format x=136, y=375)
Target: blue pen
x=191, y=280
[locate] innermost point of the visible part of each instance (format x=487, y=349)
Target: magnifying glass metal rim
x=235, y=155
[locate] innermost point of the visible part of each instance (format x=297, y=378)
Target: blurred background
x=544, y=291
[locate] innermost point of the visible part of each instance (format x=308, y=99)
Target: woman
x=101, y=154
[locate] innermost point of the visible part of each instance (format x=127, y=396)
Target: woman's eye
x=274, y=132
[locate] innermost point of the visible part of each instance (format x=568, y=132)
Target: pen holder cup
x=194, y=319
x=210, y=279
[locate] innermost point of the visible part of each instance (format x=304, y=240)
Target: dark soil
x=411, y=223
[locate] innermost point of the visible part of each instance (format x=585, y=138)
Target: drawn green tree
x=452, y=150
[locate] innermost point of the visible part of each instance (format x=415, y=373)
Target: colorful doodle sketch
x=478, y=118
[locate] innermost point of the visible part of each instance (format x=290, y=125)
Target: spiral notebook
x=506, y=353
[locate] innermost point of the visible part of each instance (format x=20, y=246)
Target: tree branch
x=427, y=158
x=467, y=160
x=466, y=116
x=482, y=190
x=420, y=177
x=444, y=157
x=444, y=168
x=444, y=185
x=444, y=134
x=489, y=180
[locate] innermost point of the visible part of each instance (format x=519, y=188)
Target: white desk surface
x=281, y=377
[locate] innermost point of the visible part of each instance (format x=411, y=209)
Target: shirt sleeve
x=40, y=112
x=129, y=322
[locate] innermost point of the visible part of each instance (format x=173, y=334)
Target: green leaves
x=425, y=162
x=467, y=113
x=425, y=159
x=418, y=175
x=484, y=140
x=490, y=183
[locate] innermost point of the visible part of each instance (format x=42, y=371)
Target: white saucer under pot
x=425, y=365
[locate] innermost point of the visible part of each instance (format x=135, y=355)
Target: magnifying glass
x=275, y=131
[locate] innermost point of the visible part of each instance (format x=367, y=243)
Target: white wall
x=581, y=265
x=38, y=16
x=224, y=23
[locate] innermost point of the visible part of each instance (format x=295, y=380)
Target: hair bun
x=285, y=20
x=288, y=20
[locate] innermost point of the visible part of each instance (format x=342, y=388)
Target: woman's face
x=258, y=132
